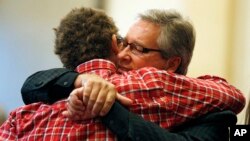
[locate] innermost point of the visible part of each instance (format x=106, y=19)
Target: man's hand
x=94, y=98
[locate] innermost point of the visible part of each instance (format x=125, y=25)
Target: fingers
x=101, y=95
x=124, y=100
x=75, y=106
x=75, y=99
x=90, y=94
x=75, y=103
x=98, y=96
x=86, y=93
x=100, y=100
x=70, y=115
x=110, y=99
x=78, y=81
x=95, y=97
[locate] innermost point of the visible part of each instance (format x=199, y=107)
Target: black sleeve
x=43, y=85
x=48, y=86
x=128, y=126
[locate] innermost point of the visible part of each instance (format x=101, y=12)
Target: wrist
x=78, y=82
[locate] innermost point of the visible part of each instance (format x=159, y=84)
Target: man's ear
x=173, y=63
x=114, y=44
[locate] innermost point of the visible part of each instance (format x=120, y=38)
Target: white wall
x=124, y=12
x=26, y=42
x=240, y=67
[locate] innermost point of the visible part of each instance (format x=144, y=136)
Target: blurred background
x=27, y=38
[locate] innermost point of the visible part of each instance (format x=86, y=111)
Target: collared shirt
x=169, y=99
x=164, y=98
x=42, y=122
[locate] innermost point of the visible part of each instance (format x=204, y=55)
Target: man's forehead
x=144, y=33
x=143, y=27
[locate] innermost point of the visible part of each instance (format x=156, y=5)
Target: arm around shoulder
x=45, y=85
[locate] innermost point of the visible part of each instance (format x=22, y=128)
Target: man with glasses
x=137, y=49
x=141, y=48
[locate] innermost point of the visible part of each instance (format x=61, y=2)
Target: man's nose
x=124, y=55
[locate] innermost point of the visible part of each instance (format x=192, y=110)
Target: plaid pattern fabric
x=42, y=122
x=164, y=98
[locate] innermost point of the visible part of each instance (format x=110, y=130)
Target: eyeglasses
x=119, y=39
x=136, y=49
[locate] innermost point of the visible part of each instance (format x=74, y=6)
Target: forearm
x=214, y=92
x=223, y=95
x=128, y=126
x=186, y=98
x=48, y=86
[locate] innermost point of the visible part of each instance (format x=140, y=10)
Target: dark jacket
x=51, y=85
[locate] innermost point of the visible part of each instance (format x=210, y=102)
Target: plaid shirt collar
x=96, y=64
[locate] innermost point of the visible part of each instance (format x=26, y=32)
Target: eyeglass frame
x=134, y=46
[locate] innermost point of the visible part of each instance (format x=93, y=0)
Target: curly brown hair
x=84, y=34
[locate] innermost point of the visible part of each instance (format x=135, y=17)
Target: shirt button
x=65, y=83
x=39, y=83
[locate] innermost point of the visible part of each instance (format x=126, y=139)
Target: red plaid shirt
x=164, y=98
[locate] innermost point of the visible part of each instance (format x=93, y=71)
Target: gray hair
x=177, y=37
